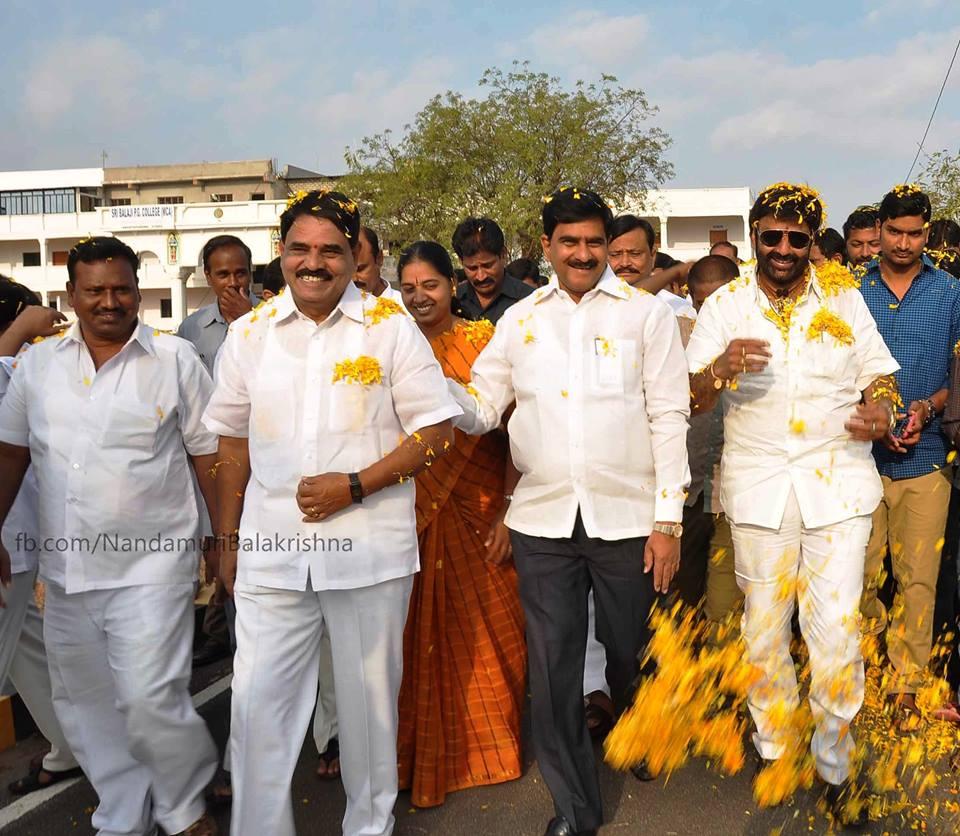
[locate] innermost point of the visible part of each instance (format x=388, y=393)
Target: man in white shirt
x=633, y=256
x=109, y=416
x=806, y=384
x=324, y=414
x=369, y=265
x=23, y=656
x=598, y=375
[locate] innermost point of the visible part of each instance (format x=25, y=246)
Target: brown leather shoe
x=204, y=826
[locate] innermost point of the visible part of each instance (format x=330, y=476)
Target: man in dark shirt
x=917, y=310
x=488, y=290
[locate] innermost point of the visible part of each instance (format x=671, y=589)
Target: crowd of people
x=418, y=506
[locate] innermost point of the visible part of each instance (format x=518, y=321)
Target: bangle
x=931, y=410
x=717, y=381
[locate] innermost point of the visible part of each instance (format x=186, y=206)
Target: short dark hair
x=335, y=207
x=100, y=248
x=220, y=241
x=712, y=269
x=524, y=268
x=478, y=235
x=14, y=298
x=664, y=261
x=273, y=276
x=569, y=204
x=730, y=244
x=372, y=239
x=903, y=201
x=622, y=224
x=944, y=232
x=831, y=243
x=863, y=217
x=788, y=201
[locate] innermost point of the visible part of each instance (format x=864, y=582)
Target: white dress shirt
x=680, y=305
x=602, y=404
x=109, y=448
x=21, y=521
x=392, y=293
x=784, y=426
x=275, y=387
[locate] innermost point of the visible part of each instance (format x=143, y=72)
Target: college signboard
x=124, y=217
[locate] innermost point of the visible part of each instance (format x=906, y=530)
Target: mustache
x=314, y=274
x=631, y=270
x=583, y=265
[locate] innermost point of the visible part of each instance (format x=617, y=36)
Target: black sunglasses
x=773, y=237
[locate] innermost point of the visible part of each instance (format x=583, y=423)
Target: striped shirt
x=920, y=330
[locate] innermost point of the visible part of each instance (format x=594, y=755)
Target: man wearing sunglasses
x=806, y=383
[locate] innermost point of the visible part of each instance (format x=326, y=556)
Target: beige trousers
x=910, y=522
x=724, y=600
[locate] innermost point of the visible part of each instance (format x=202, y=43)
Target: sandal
x=904, y=713
x=330, y=761
x=31, y=782
x=599, y=717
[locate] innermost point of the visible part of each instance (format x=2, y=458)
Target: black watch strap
x=356, y=489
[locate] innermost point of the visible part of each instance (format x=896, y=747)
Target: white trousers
x=822, y=570
x=120, y=669
x=24, y=659
x=595, y=659
x=275, y=689
x=325, y=726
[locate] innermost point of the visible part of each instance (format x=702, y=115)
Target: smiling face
x=106, y=299
x=783, y=264
x=902, y=240
x=317, y=263
x=578, y=253
x=426, y=294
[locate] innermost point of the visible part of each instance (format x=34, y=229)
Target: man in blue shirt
x=917, y=309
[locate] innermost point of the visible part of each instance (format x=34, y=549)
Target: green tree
x=941, y=181
x=499, y=155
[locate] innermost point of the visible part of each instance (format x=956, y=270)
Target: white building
x=44, y=213
x=689, y=221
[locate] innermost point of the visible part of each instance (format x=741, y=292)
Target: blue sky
x=833, y=93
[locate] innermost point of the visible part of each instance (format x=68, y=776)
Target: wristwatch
x=670, y=529
x=356, y=489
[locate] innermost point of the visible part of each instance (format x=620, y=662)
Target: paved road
x=694, y=801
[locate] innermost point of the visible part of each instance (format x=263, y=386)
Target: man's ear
x=545, y=246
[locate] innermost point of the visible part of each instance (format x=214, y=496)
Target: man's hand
x=211, y=558
x=918, y=416
x=742, y=357
x=662, y=554
x=226, y=566
x=322, y=496
x=499, y=549
x=234, y=303
x=5, y=576
x=870, y=422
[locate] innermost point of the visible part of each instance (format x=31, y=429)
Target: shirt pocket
x=355, y=409
x=607, y=365
x=132, y=427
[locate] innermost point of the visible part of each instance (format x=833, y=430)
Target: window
x=38, y=201
x=166, y=308
x=31, y=259
x=119, y=201
x=717, y=236
x=223, y=198
x=60, y=258
x=170, y=199
x=256, y=196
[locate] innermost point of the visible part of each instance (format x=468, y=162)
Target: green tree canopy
x=498, y=156
x=941, y=181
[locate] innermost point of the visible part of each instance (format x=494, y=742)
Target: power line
x=935, y=106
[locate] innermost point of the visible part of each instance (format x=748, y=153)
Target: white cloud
x=880, y=9
x=587, y=38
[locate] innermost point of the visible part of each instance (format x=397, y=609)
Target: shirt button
x=76, y=466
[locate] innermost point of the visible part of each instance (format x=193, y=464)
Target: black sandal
x=327, y=757
x=31, y=781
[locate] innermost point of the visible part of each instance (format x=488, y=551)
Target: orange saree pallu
x=464, y=652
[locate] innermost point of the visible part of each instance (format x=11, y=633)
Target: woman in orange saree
x=464, y=671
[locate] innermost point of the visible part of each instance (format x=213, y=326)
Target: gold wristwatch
x=670, y=529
